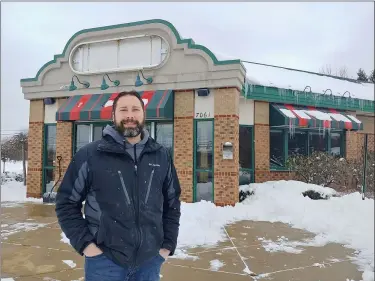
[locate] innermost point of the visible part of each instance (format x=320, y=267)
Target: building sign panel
x=119, y=54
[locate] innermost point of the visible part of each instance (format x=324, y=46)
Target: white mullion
x=91, y=132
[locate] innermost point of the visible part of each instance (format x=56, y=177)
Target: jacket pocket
x=124, y=187
x=149, y=186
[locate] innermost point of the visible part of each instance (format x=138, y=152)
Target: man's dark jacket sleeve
x=172, y=214
x=70, y=195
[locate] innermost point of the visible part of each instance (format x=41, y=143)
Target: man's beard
x=129, y=132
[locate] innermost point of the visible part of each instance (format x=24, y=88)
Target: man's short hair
x=127, y=93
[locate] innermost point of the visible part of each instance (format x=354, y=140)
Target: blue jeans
x=100, y=268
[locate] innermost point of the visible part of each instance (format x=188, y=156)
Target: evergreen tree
x=362, y=75
x=372, y=76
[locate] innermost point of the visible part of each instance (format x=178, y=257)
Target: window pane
x=204, y=190
x=204, y=145
x=276, y=148
x=246, y=152
x=164, y=135
x=51, y=145
x=336, y=143
x=49, y=179
x=245, y=177
x=83, y=135
x=297, y=143
x=318, y=142
x=148, y=128
x=97, y=132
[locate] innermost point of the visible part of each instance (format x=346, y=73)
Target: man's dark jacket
x=132, y=206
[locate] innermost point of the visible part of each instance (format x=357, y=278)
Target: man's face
x=129, y=116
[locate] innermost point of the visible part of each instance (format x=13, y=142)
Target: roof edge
x=190, y=44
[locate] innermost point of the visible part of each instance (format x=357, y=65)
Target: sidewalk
x=32, y=250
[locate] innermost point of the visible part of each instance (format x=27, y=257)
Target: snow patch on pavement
x=70, y=263
x=20, y=227
x=215, y=265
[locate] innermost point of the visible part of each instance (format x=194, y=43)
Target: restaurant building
x=227, y=122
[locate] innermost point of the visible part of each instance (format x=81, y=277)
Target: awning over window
x=310, y=117
x=158, y=105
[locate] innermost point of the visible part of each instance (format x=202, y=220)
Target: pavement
x=31, y=250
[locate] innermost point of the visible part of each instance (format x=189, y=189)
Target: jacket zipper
x=124, y=187
x=149, y=186
x=139, y=232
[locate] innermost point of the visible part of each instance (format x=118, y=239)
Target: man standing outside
x=131, y=192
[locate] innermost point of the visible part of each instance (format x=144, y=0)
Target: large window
x=85, y=133
x=284, y=144
x=277, y=152
x=203, y=155
x=297, y=143
x=246, y=169
x=49, y=157
x=164, y=135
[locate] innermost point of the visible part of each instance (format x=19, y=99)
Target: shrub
x=343, y=175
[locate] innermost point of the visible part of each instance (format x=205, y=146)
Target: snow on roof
x=287, y=78
x=265, y=75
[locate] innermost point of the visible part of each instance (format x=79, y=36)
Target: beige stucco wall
x=262, y=115
x=368, y=123
x=184, y=69
x=246, y=108
x=36, y=113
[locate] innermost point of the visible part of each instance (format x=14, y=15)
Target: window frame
x=286, y=134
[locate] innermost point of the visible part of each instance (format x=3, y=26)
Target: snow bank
x=13, y=166
x=346, y=220
x=12, y=190
x=16, y=192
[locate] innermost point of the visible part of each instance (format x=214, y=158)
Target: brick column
x=226, y=171
x=34, y=176
x=64, y=142
x=183, y=141
x=262, y=142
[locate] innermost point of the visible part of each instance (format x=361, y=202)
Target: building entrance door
x=246, y=155
x=203, y=160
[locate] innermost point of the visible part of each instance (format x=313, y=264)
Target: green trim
x=190, y=43
x=280, y=95
x=212, y=170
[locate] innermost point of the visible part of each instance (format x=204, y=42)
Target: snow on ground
x=13, y=166
x=19, y=227
x=347, y=220
x=216, y=265
x=14, y=191
x=70, y=263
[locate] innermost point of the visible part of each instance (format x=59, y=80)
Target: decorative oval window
x=119, y=54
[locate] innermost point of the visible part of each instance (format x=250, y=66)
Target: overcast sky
x=299, y=35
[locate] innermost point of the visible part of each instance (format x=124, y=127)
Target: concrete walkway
x=31, y=250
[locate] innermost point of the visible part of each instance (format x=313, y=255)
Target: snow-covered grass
x=348, y=220
x=13, y=166
x=16, y=192
x=12, y=190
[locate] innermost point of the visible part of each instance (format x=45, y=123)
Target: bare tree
x=327, y=69
x=6, y=151
x=342, y=72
